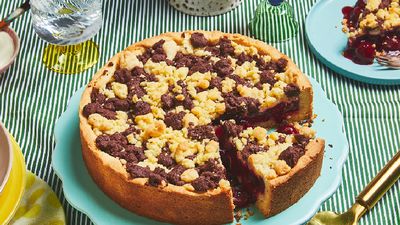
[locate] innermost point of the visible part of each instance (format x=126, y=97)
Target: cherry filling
x=362, y=50
x=246, y=185
x=277, y=113
x=352, y=14
x=287, y=129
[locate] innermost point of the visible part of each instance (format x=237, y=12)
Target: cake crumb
x=248, y=214
x=238, y=215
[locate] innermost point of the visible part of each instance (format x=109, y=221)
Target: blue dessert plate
x=327, y=41
x=82, y=193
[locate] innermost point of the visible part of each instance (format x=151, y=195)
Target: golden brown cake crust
x=170, y=204
x=286, y=190
x=175, y=204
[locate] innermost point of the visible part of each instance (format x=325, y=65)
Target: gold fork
x=367, y=199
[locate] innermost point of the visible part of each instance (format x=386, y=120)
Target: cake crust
x=284, y=191
x=186, y=207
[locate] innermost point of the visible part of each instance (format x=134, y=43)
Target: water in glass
x=66, y=22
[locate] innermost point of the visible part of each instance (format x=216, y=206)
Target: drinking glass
x=274, y=22
x=67, y=25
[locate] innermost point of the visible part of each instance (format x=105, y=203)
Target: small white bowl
x=16, y=42
x=6, y=156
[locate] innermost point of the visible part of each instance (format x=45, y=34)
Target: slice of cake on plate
x=373, y=28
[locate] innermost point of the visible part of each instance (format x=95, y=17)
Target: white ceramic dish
x=16, y=43
x=6, y=155
x=204, y=7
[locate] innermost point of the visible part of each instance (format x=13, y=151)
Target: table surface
x=32, y=97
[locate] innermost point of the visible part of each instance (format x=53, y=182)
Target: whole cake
x=178, y=128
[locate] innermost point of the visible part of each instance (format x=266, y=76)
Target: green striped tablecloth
x=32, y=97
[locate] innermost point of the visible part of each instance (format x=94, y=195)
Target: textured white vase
x=204, y=7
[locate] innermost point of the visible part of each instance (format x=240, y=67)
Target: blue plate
x=327, y=41
x=82, y=193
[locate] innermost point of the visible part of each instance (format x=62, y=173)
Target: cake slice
x=274, y=169
x=373, y=28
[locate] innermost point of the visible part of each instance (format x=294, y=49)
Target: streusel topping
x=159, y=111
x=270, y=153
x=375, y=16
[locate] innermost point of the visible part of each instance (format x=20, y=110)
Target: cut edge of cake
x=283, y=191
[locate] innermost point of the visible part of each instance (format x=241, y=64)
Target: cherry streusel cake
x=373, y=27
x=178, y=128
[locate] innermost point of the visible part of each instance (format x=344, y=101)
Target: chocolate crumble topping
x=174, y=175
x=174, y=120
x=186, y=103
x=165, y=159
x=281, y=65
x=251, y=148
x=268, y=77
x=292, y=154
x=223, y=67
x=292, y=90
x=167, y=101
x=198, y=40
x=97, y=97
x=226, y=47
x=141, y=108
x=216, y=83
x=202, y=132
x=137, y=171
x=157, y=176
x=92, y=108
x=122, y=75
x=116, y=104
x=240, y=106
x=232, y=129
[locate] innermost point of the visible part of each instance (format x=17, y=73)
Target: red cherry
x=349, y=53
x=287, y=129
x=391, y=43
x=364, y=53
x=247, y=125
x=355, y=15
x=366, y=50
x=240, y=199
x=219, y=132
x=346, y=11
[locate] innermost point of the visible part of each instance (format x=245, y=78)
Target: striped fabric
x=32, y=97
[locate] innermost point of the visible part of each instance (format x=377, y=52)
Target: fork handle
x=381, y=183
